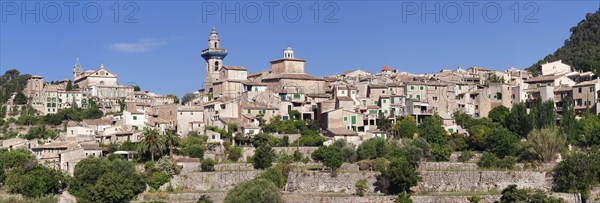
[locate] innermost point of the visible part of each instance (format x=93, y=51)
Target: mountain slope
x=582, y=49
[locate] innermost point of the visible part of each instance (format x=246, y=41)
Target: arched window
x=216, y=65
x=216, y=45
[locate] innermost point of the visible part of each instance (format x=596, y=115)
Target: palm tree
x=171, y=139
x=151, y=142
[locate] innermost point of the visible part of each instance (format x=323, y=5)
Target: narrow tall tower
x=214, y=59
x=77, y=70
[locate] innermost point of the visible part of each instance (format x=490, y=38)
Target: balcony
x=210, y=53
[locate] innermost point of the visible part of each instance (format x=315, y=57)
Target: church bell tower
x=214, y=59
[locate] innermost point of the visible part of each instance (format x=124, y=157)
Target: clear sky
x=157, y=44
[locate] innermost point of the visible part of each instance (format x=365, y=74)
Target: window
x=296, y=96
x=384, y=101
x=591, y=89
x=249, y=111
x=392, y=100
x=412, y=87
x=134, y=118
x=421, y=87
x=343, y=92
x=251, y=132
x=375, y=102
x=364, y=102
x=353, y=91
x=579, y=90
x=345, y=118
x=410, y=96
x=418, y=96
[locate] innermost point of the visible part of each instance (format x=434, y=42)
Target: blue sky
x=159, y=47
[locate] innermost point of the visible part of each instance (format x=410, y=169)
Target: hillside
x=582, y=49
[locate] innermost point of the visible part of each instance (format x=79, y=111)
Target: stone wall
x=212, y=181
x=323, y=182
x=306, y=151
x=480, y=181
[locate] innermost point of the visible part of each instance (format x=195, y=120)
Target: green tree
x=175, y=98
x=499, y=114
x=257, y=190
x=383, y=123
x=104, y=181
x=278, y=175
x=208, y=165
x=20, y=99
x=35, y=182
x=137, y=88
x=400, y=174
x=431, y=129
x=406, y=128
x=372, y=149
x=577, y=173
x=568, y=123
x=151, y=143
x=263, y=157
x=234, y=153
x=171, y=140
x=501, y=142
x=518, y=121
x=187, y=97
x=69, y=86
x=545, y=143
x=158, y=179
x=295, y=115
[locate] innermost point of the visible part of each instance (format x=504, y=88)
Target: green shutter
x=353, y=120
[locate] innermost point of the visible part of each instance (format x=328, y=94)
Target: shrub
x=204, y=199
x=278, y=175
x=263, y=157
x=490, y=160
x=196, y=151
x=166, y=165
x=208, y=165
x=400, y=175
x=257, y=190
x=297, y=155
x=234, y=153
x=403, y=198
x=466, y=156
x=361, y=187
x=158, y=179
x=474, y=199
x=440, y=152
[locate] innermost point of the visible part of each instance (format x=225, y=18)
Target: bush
x=278, y=175
x=489, y=160
x=474, y=199
x=577, y=173
x=372, y=149
x=466, y=156
x=403, y=198
x=196, y=151
x=158, y=179
x=263, y=157
x=400, y=175
x=441, y=152
x=361, y=187
x=116, y=180
x=257, y=190
x=166, y=165
x=297, y=155
x=234, y=153
x=204, y=199
x=35, y=182
x=331, y=156
x=208, y=165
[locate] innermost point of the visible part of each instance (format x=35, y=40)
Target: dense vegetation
x=10, y=83
x=582, y=49
x=20, y=173
x=103, y=180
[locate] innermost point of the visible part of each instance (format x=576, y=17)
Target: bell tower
x=214, y=56
x=77, y=70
